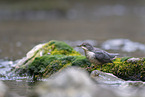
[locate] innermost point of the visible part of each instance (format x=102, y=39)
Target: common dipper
x=96, y=55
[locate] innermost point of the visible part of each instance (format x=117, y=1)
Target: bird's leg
x=101, y=68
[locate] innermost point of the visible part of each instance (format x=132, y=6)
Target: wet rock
x=106, y=78
x=133, y=84
x=132, y=89
x=35, y=52
x=123, y=44
x=71, y=82
x=5, y=66
x=121, y=87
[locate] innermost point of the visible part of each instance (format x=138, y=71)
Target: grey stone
x=71, y=82
x=133, y=84
x=107, y=78
x=134, y=60
x=123, y=44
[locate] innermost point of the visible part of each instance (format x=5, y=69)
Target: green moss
x=80, y=61
x=125, y=59
x=55, y=47
x=126, y=70
x=46, y=65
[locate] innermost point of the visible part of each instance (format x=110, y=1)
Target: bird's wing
x=111, y=55
x=102, y=57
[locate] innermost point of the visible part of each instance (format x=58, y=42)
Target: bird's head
x=86, y=46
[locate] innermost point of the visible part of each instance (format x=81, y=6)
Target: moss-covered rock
x=51, y=48
x=46, y=59
x=126, y=69
x=46, y=65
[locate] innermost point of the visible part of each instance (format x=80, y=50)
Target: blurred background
x=26, y=23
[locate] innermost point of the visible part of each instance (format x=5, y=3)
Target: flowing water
x=99, y=22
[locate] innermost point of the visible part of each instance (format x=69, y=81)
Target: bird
x=96, y=55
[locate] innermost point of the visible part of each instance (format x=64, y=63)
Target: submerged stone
x=106, y=78
x=133, y=84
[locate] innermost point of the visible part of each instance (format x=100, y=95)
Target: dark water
x=99, y=21
x=21, y=87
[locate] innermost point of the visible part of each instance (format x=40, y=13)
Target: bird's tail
x=113, y=55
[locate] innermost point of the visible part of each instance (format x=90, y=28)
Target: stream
x=115, y=27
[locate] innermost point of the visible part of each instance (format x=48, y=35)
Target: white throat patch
x=84, y=48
